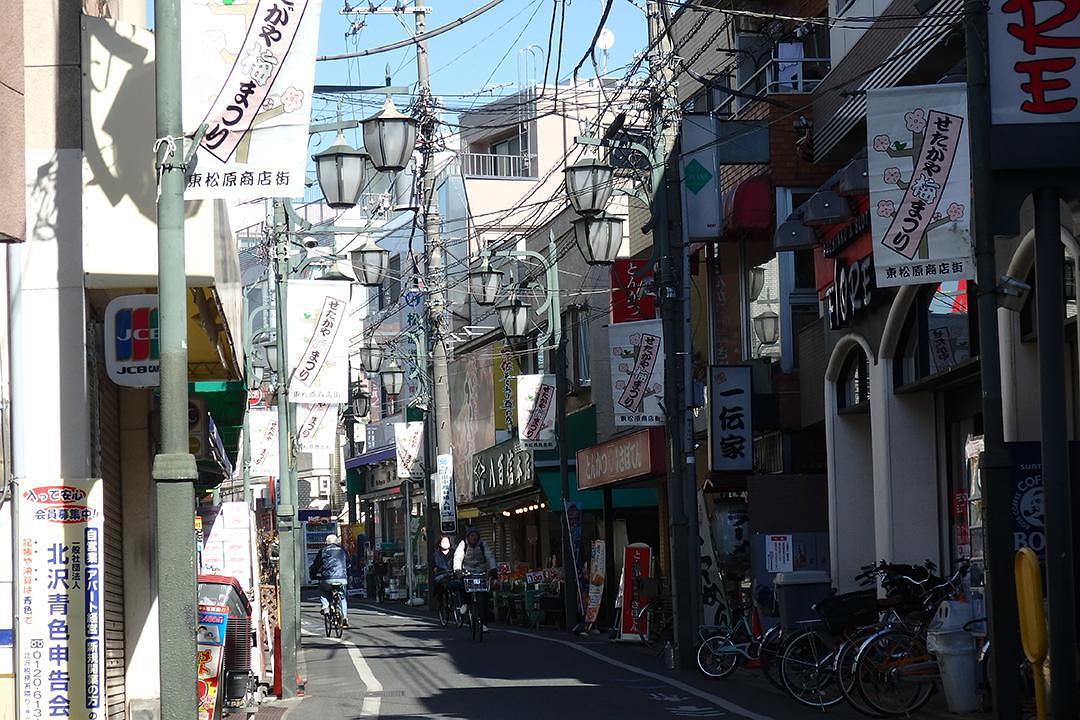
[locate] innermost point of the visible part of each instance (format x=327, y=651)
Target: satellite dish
x=606, y=40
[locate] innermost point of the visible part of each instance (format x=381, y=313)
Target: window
x=804, y=269
x=940, y=334
x=508, y=146
x=391, y=287
x=853, y=387
x=576, y=331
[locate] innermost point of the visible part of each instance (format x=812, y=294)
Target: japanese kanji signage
x=408, y=440
x=318, y=344
x=248, y=71
x=536, y=411
x=60, y=586
x=210, y=635
x=505, y=369
x=317, y=431
x=1034, y=75
x=920, y=184
x=632, y=293
x=732, y=427
x=447, y=499
x=263, y=426
x=637, y=372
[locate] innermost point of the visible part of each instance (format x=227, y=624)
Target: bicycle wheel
x=894, y=672
x=339, y=625
x=806, y=669
x=845, y=674
x=770, y=653
x=444, y=611
x=718, y=656
x=328, y=622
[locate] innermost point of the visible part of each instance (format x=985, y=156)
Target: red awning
x=748, y=207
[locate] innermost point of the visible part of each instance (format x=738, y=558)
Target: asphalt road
x=395, y=664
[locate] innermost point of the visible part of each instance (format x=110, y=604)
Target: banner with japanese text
x=505, y=370
x=446, y=497
x=536, y=411
x=409, y=443
x=920, y=184
x=263, y=426
x=732, y=432
x=597, y=577
x=637, y=569
x=318, y=341
x=637, y=372
x=316, y=430
x=60, y=586
x=633, y=294
x=247, y=73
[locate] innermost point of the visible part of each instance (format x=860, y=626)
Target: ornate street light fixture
x=514, y=318
x=371, y=357
x=341, y=170
x=767, y=327
x=485, y=283
x=369, y=262
x=270, y=354
x=599, y=238
x=360, y=404
x=393, y=378
x=589, y=185
x=757, y=282
x=389, y=138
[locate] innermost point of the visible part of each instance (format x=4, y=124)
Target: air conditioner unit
x=198, y=428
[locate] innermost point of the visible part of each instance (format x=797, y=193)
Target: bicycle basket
x=477, y=583
x=848, y=610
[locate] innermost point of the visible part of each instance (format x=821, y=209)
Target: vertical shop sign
x=263, y=425
x=536, y=411
x=597, y=575
x=637, y=570
x=506, y=371
x=714, y=605
x=210, y=637
x=447, y=501
x=637, y=372
x=572, y=513
x=632, y=291
x=732, y=424
x=408, y=439
x=61, y=568
x=248, y=71
x=318, y=342
x=920, y=184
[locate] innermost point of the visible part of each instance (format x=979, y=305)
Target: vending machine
x=315, y=526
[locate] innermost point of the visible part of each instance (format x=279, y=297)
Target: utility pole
x=288, y=579
x=174, y=470
x=684, y=566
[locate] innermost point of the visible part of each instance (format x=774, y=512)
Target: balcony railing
x=485, y=165
x=781, y=76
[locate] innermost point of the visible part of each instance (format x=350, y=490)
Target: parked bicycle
x=652, y=620
x=724, y=647
x=333, y=621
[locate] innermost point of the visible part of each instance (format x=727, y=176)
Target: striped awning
x=881, y=58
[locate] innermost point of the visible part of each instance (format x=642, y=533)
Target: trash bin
x=797, y=592
x=954, y=648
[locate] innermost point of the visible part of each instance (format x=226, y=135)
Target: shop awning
x=384, y=493
x=748, y=207
x=592, y=499
x=370, y=458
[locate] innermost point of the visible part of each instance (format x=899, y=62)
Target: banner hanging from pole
x=318, y=342
x=536, y=411
x=263, y=425
x=637, y=372
x=317, y=428
x=248, y=69
x=447, y=501
x=408, y=440
x=597, y=576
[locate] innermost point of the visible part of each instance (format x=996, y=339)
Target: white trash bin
x=955, y=653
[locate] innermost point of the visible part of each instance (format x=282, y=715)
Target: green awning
x=580, y=434
x=592, y=499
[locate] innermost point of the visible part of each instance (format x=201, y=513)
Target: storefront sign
x=639, y=454
x=210, y=637
x=318, y=343
x=572, y=516
x=408, y=441
x=732, y=435
x=263, y=426
x=502, y=469
x=1034, y=74
x=1026, y=503
x=317, y=431
x=597, y=573
x=506, y=371
x=632, y=291
x=248, y=71
x=778, y=554
x=447, y=501
x=920, y=184
x=847, y=235
x=637, y=568
x=60, y=585
x=534, y=578
x=536, y=411
x=637, y=372
x=852, y=290
x=131, y=341
x=714, y=605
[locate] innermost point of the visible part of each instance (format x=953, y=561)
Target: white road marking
x=371, y=706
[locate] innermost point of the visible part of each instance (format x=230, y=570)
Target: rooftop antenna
x=605, y=42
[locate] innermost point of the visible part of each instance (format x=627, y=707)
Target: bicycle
x=333, y=619
x=477, y=586
x=448, y=604
x=652, y=621
x=722, y=647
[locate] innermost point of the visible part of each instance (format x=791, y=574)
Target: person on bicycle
x=444, y=566
x=475, y=557
x=331, y=566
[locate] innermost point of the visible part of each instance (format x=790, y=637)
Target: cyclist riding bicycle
x=473, y=556
x=331, y=566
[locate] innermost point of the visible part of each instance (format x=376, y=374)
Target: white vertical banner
x=637, y=372
x=316, y=430
x=920, y=184
x=409, y=441
x=318, y=341
x=61, y=580
x=536, y=411
x=263, y=425
x=732, y=438
x=447, y=501
x=248, y=70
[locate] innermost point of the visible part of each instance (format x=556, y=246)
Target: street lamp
x=369, y=262
x=485, y=283
x=757, y=282
x=371, y=357
x=767, y=327
x=270, y=353
x=361, y=404
x=599, y=238
x=341, y=170
x=514, y=318
x=589, y=186
x=393, y=378
x=389, y=137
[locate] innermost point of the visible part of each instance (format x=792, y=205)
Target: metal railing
x=485, y=165
x=783, y=76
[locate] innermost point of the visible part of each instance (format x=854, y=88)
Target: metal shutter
x=105, y=444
